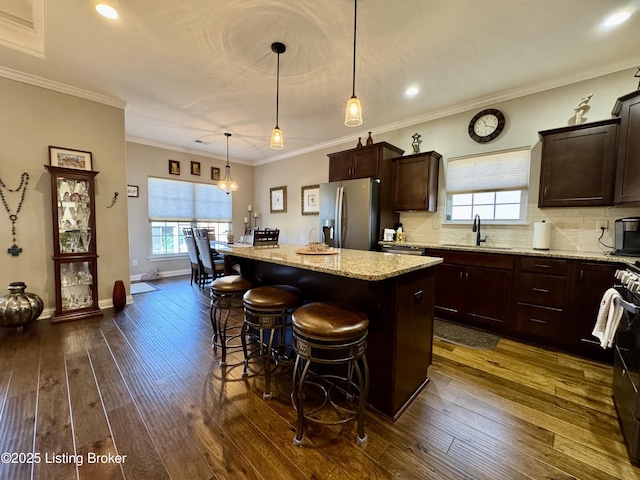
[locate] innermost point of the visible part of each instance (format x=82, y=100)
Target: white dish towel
x=608, y=319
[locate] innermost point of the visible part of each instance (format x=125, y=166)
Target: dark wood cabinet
x=627, y=185
x=416, y=182
x=372, y=161
x=474, y=288
x=74, y=243
x=589, y=281
x=589, y=149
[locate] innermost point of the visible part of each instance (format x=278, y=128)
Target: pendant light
x=353, y=117
x=277, y=142
x=227, y=185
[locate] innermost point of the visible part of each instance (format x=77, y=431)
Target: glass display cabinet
x=74, y=243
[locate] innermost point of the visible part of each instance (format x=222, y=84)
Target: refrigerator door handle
x=336, y=219
x=339, y=213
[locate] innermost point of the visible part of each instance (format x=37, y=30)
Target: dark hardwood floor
x=145, y=384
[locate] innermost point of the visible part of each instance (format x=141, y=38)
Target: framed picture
x=278, y=200
x=195, y=168
x=311, y=200
x=132, y=190
x=67, y=158
x=174, y=167
x=215, y=173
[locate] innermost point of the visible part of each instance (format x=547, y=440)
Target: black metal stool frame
x=273, y=321
x=221, y=305
x=353, y=350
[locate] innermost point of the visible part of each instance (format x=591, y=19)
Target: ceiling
x=191, y=70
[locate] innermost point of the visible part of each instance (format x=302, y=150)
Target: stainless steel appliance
x=627, y=236
x=626, y=366
x=403, y=249
x=350, y=214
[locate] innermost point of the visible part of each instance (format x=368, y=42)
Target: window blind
x=180, y=201
x=506, y=170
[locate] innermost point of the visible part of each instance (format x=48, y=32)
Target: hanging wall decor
x=14, y=250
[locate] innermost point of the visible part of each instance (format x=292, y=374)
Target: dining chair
x=212, y=263
x=194, y=258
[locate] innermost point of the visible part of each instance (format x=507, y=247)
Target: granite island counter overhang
x=395, y=291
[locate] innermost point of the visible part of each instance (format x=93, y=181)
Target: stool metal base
x=221, y=305
x=350, y=353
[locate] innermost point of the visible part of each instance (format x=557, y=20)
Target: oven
x=626, y=367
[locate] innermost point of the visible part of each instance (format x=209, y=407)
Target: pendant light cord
x=277, y=89
x=355, y=20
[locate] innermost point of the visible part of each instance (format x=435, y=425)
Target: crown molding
x=36, y=81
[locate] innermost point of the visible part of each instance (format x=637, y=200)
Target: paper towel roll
x=541, y=235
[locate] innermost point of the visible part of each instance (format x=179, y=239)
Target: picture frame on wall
x=215, y=173
x=195, y=168
x=278, y=199
x=174, y=167
x=132, y=190
x=310, y=200
x=68, y=158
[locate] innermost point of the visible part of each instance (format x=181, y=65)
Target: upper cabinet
x=627, y=108
x=588, y=149
x=362, y=162
x=416, y=182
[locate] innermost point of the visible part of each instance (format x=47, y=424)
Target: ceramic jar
x=18, y=308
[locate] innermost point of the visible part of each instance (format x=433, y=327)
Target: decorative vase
x=18, y=308
x=359, y=142
x=369, y=139
x=119, y=295
x=230, y=239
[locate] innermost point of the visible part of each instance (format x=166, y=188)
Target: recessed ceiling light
x=412, y=91
x=107, y=11
x=616, y=19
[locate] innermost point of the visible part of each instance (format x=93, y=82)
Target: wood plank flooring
x=145, y=384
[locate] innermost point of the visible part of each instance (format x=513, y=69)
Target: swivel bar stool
x=223, y=291
x=331, y=334
x=267, y=311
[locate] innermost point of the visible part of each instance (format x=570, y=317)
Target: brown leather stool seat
x=331, y=334
x=267, y=311
x=223, y=291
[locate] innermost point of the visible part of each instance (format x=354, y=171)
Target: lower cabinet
x=474, y=289
x=549, y=301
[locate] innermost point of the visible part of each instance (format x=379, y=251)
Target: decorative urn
x=19, y=308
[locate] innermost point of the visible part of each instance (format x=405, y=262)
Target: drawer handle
x=537, y=320
x=539, y=265
x=543, y=290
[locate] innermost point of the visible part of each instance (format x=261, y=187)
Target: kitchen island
x=395, y=291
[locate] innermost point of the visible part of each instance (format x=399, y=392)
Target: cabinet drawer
x=539, y=321
x=473, y=259
x=546, y=266
x=542, y=290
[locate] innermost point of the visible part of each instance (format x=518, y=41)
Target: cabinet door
x=588, y=150
x=339, y=167
x=628, y=166
x=487, y=296
x=590, y=281
x=416, y=182
x=365, y=162
x=449, y=284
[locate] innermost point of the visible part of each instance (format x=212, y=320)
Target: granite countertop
x=359, y=264
x=595, y=256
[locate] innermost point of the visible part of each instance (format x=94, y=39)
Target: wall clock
x=486, y=125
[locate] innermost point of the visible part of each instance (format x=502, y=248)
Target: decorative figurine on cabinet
x=416, y=142
x=582, y=108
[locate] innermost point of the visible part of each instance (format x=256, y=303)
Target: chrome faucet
x=476, y=228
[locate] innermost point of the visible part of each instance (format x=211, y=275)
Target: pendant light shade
x=353, y=116
x=227, y=185
x=277, y=141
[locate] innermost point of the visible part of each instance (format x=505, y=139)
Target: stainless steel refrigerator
x=350, y=214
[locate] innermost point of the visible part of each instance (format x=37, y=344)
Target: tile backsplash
x=572, y=229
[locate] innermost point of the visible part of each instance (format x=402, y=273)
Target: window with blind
x=176, y=204
x=492, y=185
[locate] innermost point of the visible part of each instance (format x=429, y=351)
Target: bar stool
x=331, y=334
x=223, y=291
x=267, y=310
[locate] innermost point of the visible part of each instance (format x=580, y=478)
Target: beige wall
x=573, y=229
x=31, y=119
x=145, y=161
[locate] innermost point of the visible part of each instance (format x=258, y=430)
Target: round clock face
x=486, y=125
